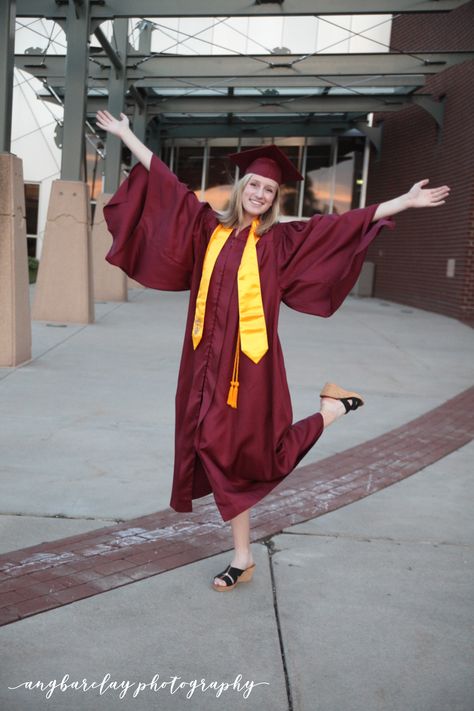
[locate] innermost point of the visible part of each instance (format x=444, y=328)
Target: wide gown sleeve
x=319, y=260
x=156, y=222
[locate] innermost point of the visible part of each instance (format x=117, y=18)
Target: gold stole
x=252, y=332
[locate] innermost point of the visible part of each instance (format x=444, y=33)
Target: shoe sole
x=336, y=392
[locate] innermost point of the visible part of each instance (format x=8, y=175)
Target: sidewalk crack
x=271, y=548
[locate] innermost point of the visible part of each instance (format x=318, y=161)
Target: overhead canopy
x=230, y=70
x=57, y=9
x=277, y=93
x=281, y=87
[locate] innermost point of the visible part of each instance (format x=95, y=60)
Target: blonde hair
x=233, y=216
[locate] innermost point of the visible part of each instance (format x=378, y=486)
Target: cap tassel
x=234, y=383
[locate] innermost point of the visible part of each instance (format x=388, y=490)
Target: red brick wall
x=411, y=261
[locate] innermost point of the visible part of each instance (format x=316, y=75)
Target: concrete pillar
x=110, y=283
x=64, y=285
x=15, y=323
x=132, y=284
x=364, y=285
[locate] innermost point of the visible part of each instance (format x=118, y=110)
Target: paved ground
x=368, y=606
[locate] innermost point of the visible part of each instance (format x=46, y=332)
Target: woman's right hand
x=120, y=128
x=107, y=122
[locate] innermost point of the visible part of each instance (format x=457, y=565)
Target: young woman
x=234, y=431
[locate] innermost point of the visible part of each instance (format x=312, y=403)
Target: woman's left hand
x=419, y=196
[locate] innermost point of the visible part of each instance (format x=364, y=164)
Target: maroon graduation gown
x=160, y=233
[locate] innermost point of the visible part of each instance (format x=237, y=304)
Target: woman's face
x=258, y=195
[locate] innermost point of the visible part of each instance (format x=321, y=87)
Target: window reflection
x=188, y=166
x=343, y=180
x=349, y=172
x=318, y=180
x=289, y=192
x=220, y=176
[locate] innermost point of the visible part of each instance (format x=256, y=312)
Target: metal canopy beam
x=275, y=82
x=280, y=104
x=269, y=129
x=268, y=67
x=53, y=72
x=274, y=106
x=56, y=9
x=289, y=66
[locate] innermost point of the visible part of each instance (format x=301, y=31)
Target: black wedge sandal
x=350, y=400
x=234, y=575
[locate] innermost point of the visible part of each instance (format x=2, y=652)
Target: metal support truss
x=373, y=133
x=434, y=108
x=108, y=49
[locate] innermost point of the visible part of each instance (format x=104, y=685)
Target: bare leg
x=241, y=534
x=331, y=410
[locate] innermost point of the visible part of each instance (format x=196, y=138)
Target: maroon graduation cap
x=267, y=161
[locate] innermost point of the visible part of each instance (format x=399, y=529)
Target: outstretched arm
x=418, y=196
x=120, y=127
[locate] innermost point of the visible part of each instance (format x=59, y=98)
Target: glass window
x=31, y=207
x=31, y=246
x=349, y=173
x=188, y=166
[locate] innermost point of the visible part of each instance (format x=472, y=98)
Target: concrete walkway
x=368, y=607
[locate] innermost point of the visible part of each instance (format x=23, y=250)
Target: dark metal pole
x=117, y=86
x=140, y=116
x=77, y=33
x=7, y=53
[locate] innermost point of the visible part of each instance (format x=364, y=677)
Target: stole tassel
x=234, y=383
